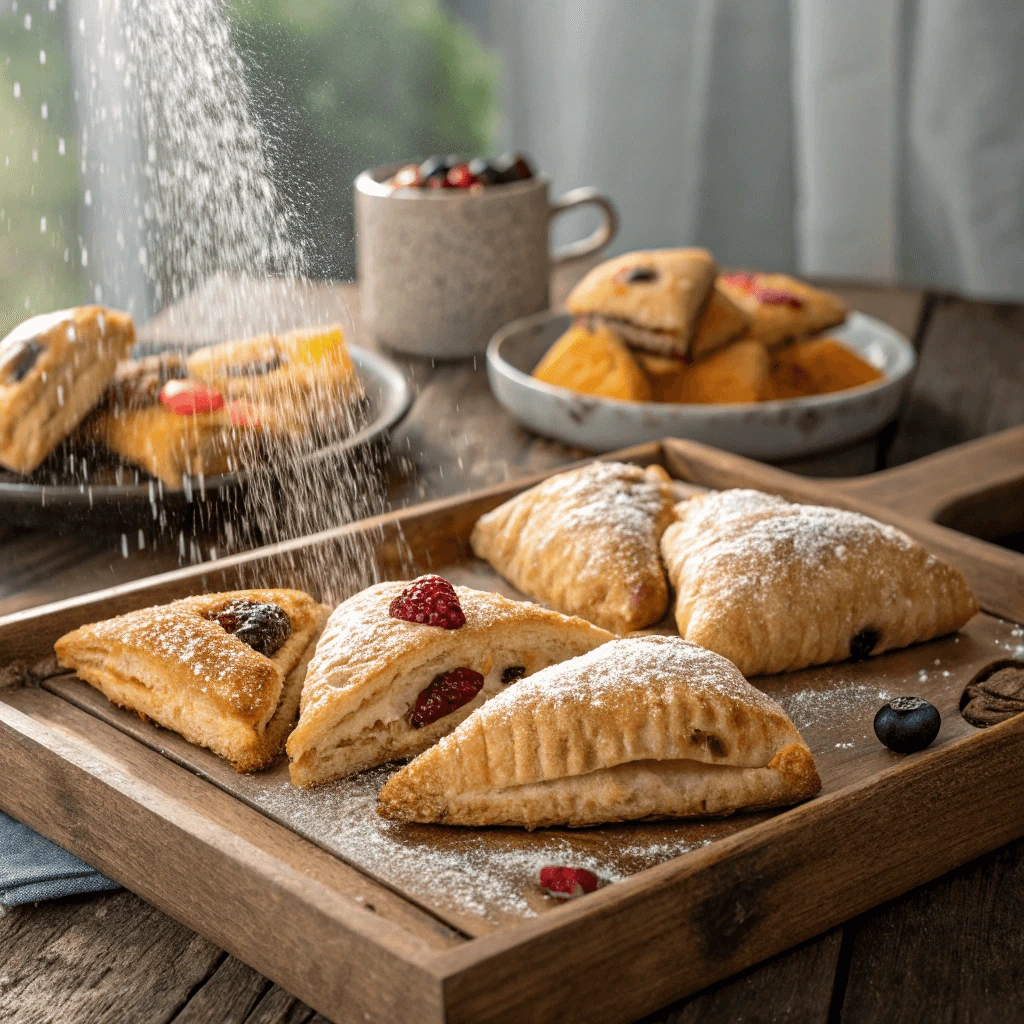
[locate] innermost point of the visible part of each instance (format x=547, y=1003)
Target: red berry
x=447, y=693
x=187, y=397
x=461, y=177
x=741, y=279
x=567, y=883
x=430, y=600
x=244, y=414
x=776, y=297
x=407, y=177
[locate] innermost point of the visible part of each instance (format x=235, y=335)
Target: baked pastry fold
x=53, y=369
x=370, y=668
x=643, y=727
x=179, y=665
x=775, y=586
x=586, y=543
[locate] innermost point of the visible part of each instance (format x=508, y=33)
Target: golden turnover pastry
x=641, y=728
x=722, y=321
x=401, y=664
x=53, y=369
x=223, y=670
x=173, y=427
x=780, y=307
x=586, y=542
x=739, y=373
x=775, y=586
x=306, y=375
x=817, y=366
x=594, y=363
x=665, y=374
x=653, y=300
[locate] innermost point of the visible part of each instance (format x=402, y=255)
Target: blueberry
x=907, y=724
x=484, y=171
x=642, y=274
x=864, y=643
x=512, y=167
x=512, y=673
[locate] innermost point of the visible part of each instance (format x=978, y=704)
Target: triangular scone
x=644, y=727
x=721, y=322
x=775, y=586
x=652, y=299
x=195, y=666
x=586, y=543
x=371, y=671
x=781, y=307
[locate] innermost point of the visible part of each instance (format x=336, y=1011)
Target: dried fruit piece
x=188, y=397
x=460, y=176
x=864, y=643
x=430, y=600
x=446, y=693
x=567, y=883
x=484, y=171
x=17, y=363
x=512, y=673
x=263, y=626
x=776, y=297
x=638, y=274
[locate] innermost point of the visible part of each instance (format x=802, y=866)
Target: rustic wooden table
x=946, y=952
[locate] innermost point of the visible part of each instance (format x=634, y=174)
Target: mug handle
x=600, y=236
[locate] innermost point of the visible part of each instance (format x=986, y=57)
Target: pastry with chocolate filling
x=586, y=543
x=306, y=375
x=223, y=670
x=641, y=728
x=775, y=586
x=53, y=369
x=653, y=300
x=401, y=664
x=780, y=307
x=172, y=427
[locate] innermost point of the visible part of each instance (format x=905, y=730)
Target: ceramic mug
x=440, y=270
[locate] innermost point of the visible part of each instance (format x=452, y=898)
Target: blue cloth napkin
x=32, y=868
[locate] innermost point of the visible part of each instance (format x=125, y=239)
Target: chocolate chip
x=641, y=274
x=16, y=364
x=864, y=643
x=512, y=673
x=264, y=627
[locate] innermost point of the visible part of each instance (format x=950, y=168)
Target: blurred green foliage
x=341, y=85
x=40, y=187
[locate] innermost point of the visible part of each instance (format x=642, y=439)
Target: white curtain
x=871, y=139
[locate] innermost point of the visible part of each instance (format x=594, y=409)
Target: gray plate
x=118, y=492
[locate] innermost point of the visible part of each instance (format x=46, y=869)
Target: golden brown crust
x=668, y=299
x=775, y=586
x=370, y=667
x=77, y=352
x=184, y=671
x=722, y=321
x=643, y=727
x=586, y=543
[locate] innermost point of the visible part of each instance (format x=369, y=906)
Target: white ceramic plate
x=783, y=429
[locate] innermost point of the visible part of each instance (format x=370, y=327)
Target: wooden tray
x=371, y=921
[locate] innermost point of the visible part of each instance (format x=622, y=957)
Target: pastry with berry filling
x=305, y=375
x=641, y=728
x=652, y=300
x=780, y=307
x=173, y=427
x=401, y=664
x=53, y=369
x=223, y=670
x=586, y=543
x=775, y=586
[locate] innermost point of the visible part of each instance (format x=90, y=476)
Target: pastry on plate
x=722, y=321
x=593, y=363
x=665, y=374
x=586, y=543
x=817, y=366
x=173, y=427
x=653, y=300
x=775, y=586
x=401, y=664
x=643, y=727
x=223, y=670
x=305, y=375
x=781, y=307
x=738, y=373
x=53, y=369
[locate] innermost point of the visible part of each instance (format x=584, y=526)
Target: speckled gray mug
x=440, y=270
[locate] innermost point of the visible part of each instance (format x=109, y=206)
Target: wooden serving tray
x=373, y=921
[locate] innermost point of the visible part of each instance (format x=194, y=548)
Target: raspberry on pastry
x=586, y=543
x=223, y=670
x=641, y=728
x=53, y=369
x=383, y=686
x=593, y=363
x=775, y=586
